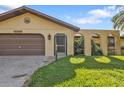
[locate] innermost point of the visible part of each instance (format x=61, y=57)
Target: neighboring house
x=24, y=31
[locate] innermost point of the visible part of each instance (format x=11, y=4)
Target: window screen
x=60, y=40
x=61, y=48
x=60, y=43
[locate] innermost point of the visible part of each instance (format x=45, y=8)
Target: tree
x=118, y=20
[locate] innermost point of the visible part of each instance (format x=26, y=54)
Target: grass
x=94, y=71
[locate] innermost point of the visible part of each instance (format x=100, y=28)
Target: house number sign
x=18, y=31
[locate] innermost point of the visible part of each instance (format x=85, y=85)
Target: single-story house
x=24, y=31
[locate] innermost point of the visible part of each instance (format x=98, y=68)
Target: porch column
x=117, y=45
x=87, y=45
x=104, y=43
x=49, y=45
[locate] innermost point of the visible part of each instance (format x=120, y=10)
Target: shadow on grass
x=63, y=69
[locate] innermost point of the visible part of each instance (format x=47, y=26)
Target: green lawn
x=81, y=71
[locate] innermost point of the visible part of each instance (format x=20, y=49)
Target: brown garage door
x=23, y=44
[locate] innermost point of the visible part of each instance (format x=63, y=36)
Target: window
x=111, y=46
x=111, y=41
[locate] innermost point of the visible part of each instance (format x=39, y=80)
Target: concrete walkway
x=15, y=70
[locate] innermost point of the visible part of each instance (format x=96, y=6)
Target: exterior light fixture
x=49, y=37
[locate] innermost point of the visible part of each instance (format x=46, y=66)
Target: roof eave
x=27, y=9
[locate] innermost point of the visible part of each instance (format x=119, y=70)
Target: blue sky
x=83, y=16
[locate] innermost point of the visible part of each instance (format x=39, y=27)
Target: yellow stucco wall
x=103, y=34
x=97, y=40
x=40, y=26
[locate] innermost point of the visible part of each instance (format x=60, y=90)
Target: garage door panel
x=29, y=39
x=24, y=41
x=19, y=46
x=22, y=53
x=19, y=42
x=22, y=45
x=20, y=36
x=22, y=50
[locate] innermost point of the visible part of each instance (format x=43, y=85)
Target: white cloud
x=104, y=13
x=119, y=7
x=11, y=6
x=97, y=15
x=4, y=8
x=88, y=20
x=111, y=7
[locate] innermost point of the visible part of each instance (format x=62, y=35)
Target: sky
x=83, y=16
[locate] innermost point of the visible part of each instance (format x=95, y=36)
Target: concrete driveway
x=15, y=70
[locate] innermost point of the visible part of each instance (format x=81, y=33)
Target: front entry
x=22, y=44
x=60, y=45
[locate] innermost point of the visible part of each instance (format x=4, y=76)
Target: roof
x=97, y=30
x=24, y=9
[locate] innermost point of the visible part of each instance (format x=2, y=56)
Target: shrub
x=96, y=49
x=78, y=46
x=76, y=60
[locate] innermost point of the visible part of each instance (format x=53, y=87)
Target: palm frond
x=118, y=21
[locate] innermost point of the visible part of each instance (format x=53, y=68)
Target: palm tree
x=118, y=21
